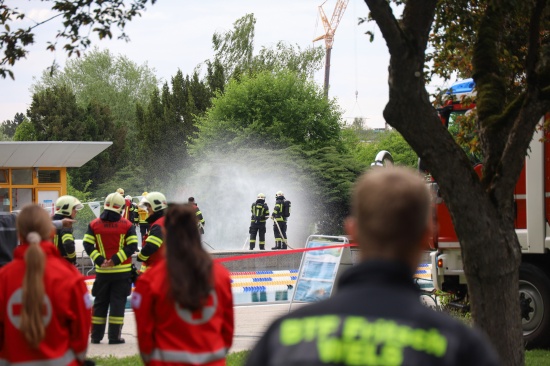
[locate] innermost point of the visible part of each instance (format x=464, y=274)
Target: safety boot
x=98, y=331
x=262, y=246
x=115, y=330
x=277, y=246
x=252, y=246
x=283, y=246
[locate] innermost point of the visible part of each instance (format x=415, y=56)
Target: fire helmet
x=261, y=196
x=114, y=202
x=279, y=194
x=156, y=199
x=65, y=205
x=120, y=191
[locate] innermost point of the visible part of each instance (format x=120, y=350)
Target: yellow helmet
x=120, y=191
x=144, y=194
x=261, y=196
x=114, y=202
x=65, y=205
x=156, y=199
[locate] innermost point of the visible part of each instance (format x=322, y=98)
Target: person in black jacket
x=260, y=213
x=66, y=207
x=376, y=316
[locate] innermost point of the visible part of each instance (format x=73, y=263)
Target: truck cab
x=532, y=217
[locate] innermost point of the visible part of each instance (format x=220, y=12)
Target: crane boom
x=330, y=29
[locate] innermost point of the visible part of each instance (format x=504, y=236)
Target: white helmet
x=65, y=205
x=261, y=196
x=114, y=202
x=280, y=193
x=128, y=197
x=156, y=199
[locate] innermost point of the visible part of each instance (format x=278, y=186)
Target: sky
x=175, y=34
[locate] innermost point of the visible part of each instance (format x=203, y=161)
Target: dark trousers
x=110, y=292
x=254, y=229
x=279, y=242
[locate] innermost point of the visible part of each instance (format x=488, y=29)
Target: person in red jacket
x=44, y=304
x=110, y=242
x=152, y=250
x=183, y=305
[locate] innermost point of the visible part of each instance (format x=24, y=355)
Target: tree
x=8, y=127
x=392, y=141
x=481, y=210
x=274, y=110
x=55, y=116
x=234, y=51
x=111, y=80
x=95, y=16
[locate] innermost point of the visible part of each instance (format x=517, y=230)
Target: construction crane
x=330, y=29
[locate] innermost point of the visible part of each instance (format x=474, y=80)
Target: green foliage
x=55, y=116
x=25, y=132
x=113, y=81
x=81, y=19
x=8, y=127
x=392, y=141
x=269, y=110
x=130, y=178
x=233, y=49
x=236, y=358
x=234, y=52
x=232, y=359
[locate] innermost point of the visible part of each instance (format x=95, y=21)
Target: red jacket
x=167, y=336
x=67, y=311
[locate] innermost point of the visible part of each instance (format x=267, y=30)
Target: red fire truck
x=532, y=203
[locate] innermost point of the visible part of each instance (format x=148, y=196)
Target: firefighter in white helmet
x=152, y=251
x=281, y=212
x=110, y=242
x=66, y=207
x=260, y=213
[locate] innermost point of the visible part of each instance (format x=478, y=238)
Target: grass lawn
x=532, y=358
x=233, y=359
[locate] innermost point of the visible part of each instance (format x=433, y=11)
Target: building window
x=49, y=176
x=4, y=175
x=21, y=176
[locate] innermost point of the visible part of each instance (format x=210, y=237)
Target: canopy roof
x=36, y=154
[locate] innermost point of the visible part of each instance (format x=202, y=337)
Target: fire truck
x=532, y=207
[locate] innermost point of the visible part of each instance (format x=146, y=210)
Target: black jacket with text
x=375, y=318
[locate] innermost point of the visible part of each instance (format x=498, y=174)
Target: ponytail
x=34, y=225
x=189, y=265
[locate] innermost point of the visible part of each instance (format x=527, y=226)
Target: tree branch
x=534, y=43
x=417, y=20
x=391, y=31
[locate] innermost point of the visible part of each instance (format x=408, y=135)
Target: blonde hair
x=33, y=225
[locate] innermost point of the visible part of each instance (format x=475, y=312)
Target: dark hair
x=191, y=199
x=189, y=265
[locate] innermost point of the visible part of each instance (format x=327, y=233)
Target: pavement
x=251, y=321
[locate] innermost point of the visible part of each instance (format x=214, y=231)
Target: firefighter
x=45, y=305
x=198, y=213
x=110, y=242
x=260, y=213
x=142, y=220
x=130, y=209
x=66, y=207
x=279, y=222
x=152, y=251
x=184, y=305
x=376, y=316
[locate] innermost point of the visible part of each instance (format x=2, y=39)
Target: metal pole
x=327, y=70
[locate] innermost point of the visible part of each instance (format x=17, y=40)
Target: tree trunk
x=491, y=252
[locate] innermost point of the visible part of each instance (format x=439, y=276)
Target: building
x=36, y=171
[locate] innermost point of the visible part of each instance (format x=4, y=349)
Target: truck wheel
x=534, y=295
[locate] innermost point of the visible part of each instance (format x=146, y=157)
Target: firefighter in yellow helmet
x=66, y=207
x=142, y=220
x=120, y=191
x=260, y=213
x=152, y=251
x=110, y=242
